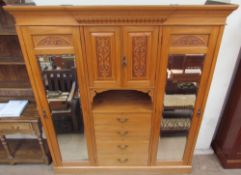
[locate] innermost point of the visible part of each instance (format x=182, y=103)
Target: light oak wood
x=119, y=101
x=121, y=55
x=140, y=51
x=103, y=44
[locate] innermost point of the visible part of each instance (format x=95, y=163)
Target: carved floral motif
x=139, y=54
x=49, y=41
x=189, y=40
x=103, y=56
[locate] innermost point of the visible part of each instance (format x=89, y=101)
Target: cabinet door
x=103, y=55
x=54, y=62
x=183, y=80
x=140, y=51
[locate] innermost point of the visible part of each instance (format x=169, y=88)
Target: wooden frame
x=73, y=25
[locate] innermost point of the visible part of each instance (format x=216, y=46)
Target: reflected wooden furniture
x=61, y=92
x=227, y=142
x=23, y=150
x=121, y=55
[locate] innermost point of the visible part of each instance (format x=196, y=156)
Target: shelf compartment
x=122, y=101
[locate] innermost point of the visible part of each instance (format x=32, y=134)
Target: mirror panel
x=61, y=87
x=182, y=83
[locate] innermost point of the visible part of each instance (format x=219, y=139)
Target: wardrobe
x=140, y=74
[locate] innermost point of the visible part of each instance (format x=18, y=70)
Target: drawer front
x=122, y=126
x=129, y=120
x=122, y=159
x=118, y=133
x=122, y=147
x=12, y=128
x=122, y=139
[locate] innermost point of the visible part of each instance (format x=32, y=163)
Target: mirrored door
x=186, y=59
x=62, y=92
x=182, y=84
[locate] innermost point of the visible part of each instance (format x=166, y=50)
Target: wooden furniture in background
x=227, y=142
x=23, y=150
x=14, y=84
x=139, y=70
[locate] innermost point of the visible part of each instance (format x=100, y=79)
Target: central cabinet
x=121, y=57
x=121, y=88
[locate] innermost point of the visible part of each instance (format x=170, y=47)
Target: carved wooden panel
x=139, y=56
x=103, y=57
x=189, y=40
x=103, y=53
x=52, y=41
x=140, y=52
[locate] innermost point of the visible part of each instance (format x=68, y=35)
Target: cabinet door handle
x=122, y=160
x=122, y=147
x=199, y=112
x=124, y=61
x=122, y=120
x=122, y=133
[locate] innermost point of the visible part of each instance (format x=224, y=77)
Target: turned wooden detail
x=103, y=55
x=6, y=147
x=52, y=41
x=139, y=54
x=189, y=40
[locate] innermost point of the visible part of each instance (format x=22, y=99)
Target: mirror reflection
x=182, y=83
x=59, y=79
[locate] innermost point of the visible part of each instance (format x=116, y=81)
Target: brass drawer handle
x=122, y=133
x=122, y=147
x=122, y=160
x=122, y=120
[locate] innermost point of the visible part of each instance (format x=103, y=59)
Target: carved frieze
x=52, y=41
x=139, y=56
x=120, y=20
x=103, y=56
x=189, y=40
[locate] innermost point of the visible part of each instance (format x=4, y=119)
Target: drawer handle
x=122, y=160
x=122, y=147
x=123, y=133
x=122, y=120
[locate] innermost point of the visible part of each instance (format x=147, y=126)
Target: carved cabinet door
x=103, y=55
x=139, y=55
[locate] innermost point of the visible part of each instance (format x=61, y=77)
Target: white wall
x=223, y=72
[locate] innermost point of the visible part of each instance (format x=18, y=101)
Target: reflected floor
x=171, y=148
x=73, y=147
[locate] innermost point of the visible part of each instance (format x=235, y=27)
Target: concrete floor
x=202, y=165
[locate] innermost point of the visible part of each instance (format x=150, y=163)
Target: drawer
x=122, y=119
x=122, y=126
x=122, y=147
x=122, y=159
x=14, y=127
x=118, y=133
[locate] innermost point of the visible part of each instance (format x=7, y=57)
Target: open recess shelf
x=122, y=100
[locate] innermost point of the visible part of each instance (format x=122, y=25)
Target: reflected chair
x=62, y=93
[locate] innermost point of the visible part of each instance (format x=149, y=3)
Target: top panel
x=123, y=2
x=122, y=15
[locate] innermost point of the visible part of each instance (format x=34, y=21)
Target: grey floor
x=202, y=165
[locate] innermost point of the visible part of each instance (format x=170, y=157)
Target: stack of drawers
x=122, y=138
